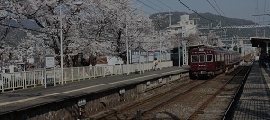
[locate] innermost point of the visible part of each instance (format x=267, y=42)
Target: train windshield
x=202, y=59
x=194, y=58
x=209, y=58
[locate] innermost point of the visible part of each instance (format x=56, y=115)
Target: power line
x=219, y=8
x=217, y=12
x=196, y=12
x=148, y=6
x=164, y=4
x=159, y=7
x=145, y=12
x=156, y=5
x=159, y=23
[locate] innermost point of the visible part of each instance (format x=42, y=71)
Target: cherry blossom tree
x=94, y=28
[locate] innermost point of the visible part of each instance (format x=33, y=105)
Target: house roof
x=102, y=60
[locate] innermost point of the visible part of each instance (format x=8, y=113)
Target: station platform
x=254, y=102
x=27, y=98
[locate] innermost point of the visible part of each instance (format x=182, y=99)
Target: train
x=211, y=61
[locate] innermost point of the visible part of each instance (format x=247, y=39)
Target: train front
x=201, y=62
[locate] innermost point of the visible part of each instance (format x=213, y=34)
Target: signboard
x=168, y=56
x=143, y=57
x=201, y=49
x=50, y=74
x=150, y=56
x=49, y=61
x=135, y=57
x=156, y=55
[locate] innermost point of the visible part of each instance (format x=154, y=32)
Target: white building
x=184, y=27
x=112, y=60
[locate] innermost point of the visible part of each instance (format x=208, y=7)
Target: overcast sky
x=242, y=9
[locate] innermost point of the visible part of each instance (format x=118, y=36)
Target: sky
x=242, y=9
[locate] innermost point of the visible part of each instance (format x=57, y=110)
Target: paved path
x=254, y=102
x=27, y=98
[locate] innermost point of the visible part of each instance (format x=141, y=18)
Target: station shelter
x=262, y=44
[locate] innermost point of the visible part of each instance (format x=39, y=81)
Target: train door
x=210, y=65
x=202, y=61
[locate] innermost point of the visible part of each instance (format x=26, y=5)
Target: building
x=184, y=27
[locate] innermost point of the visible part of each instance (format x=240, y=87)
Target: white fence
x=22, y=80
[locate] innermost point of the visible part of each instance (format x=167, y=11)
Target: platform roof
x=259, y=41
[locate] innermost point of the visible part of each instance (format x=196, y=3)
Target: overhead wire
x=197, y=12
x=148, y=6
x=161, y=7
x=164, y=4
x=218, y=12
x=219, y=7
x=155, y=5
x=159, y=24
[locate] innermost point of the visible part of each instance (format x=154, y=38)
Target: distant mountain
x=208, y=19
x=14, y=34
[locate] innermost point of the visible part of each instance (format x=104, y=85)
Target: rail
x=203, y=106
x=25, y=79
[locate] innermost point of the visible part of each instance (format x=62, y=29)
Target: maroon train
x=210, y=61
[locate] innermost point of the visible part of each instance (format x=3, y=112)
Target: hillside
x=12, y=36
x=15, y=35
x=164, y=21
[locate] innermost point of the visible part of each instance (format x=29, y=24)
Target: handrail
x=33, y=78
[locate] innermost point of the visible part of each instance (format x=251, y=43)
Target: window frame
x=211, y=58
x=196, y=57
x=203, y=57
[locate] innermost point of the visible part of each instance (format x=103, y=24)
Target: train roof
x=218, y=49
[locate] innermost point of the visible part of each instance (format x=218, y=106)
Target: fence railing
x=23, y=80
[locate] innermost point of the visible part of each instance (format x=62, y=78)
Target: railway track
x=239, y=76
x=187, y=101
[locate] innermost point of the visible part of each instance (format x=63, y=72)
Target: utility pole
x=179, y=57
x=61, y=39
x=184, y=35
x=127, y=49
x=170, y=19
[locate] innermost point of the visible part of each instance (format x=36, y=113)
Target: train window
x=209, y=58
x=194, y=58
x=202, y=58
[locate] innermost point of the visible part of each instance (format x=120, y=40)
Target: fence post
x=83, y=73
x=89, y=74
x=121, y=69
x=13, y=84
x=25, y=80
x=34, y=78
x=2, y=84
x=79, y=73
x=65, y=77
x=45, y=78
x=94, y=71
x=103, y=71
x=72, y=74
x=42, y=74
x=113, y=67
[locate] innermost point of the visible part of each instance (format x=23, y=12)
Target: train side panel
x=206, y=61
